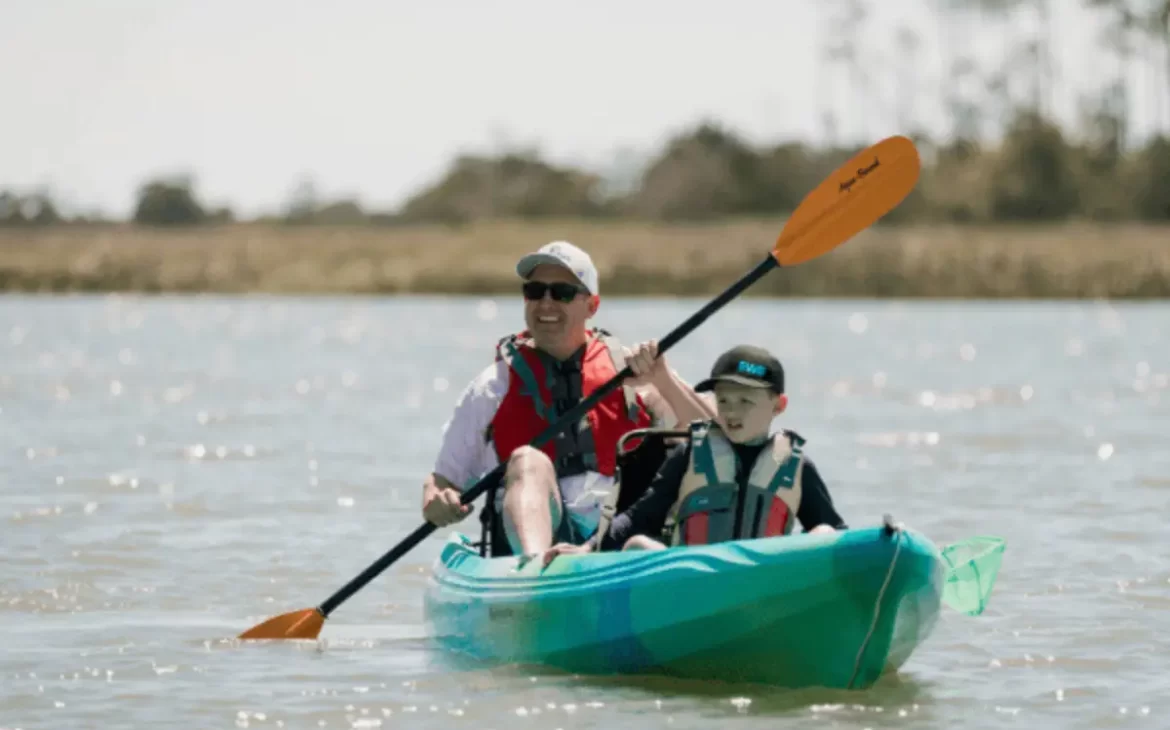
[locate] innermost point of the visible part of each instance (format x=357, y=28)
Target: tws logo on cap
x=750, y=368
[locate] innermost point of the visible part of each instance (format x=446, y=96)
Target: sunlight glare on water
x=177, y=469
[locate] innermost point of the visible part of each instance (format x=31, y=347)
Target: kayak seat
x=640, y=453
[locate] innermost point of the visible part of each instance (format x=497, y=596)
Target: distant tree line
x=1035, y=169
x=1035, y=175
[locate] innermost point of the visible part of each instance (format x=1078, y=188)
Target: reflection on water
x=175, y=469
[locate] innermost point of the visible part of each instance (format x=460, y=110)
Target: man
x=551, y=494
x=733, y=479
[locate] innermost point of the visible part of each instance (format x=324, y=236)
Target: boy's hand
x=563, y=548
x=643, y=542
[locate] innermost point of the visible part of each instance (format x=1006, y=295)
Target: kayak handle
x=889, y=526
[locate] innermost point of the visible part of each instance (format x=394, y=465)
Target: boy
x=732, y=479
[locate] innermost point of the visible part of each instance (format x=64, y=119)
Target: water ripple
x=185, y=467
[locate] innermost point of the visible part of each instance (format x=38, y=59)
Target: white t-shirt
x=465, y=455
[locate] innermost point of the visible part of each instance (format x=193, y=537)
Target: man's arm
x=816, y=506
x=670, y=399
x=647, y=515
x=441, y=501
x=463, y=454
x=435, y=482
x=671, y=391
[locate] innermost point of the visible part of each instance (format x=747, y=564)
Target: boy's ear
x=781, y=403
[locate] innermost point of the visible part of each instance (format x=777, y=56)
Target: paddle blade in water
x=850, y=200
x=972, y=566
x=304, y=624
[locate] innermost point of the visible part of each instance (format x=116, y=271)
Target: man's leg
x=532, y=501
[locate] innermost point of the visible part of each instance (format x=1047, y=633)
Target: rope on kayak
x=894, y=528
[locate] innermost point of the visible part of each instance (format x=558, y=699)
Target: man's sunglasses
x=561, y=291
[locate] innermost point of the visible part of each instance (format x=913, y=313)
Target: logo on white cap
x=564, y=254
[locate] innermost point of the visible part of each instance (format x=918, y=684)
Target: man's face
x=558, y=327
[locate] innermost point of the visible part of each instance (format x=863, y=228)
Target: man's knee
x=527, y=464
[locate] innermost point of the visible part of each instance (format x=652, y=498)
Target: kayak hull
x=835, y=610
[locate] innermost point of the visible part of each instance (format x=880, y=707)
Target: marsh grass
x=1074, y=261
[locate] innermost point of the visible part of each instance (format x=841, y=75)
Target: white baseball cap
x=565, y=254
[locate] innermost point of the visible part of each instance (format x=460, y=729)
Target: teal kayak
x=832, y=610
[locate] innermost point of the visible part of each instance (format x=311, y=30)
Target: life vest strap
x=702, y=455
x=574, y=448
x=510, y=354
x=612, y=344
x=785, y=476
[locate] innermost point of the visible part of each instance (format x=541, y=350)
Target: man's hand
x=648, y=367
x=443, y=508
x=563, y=548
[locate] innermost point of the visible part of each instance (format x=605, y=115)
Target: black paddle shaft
x=574, y=414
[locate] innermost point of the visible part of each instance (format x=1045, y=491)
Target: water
x=174, y=470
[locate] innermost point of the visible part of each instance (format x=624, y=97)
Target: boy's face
x=746, y=413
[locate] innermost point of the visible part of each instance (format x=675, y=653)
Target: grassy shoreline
x=1082, y=260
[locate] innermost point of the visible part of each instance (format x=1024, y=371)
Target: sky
x=373, y=98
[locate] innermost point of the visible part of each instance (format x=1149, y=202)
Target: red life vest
x=540, y=388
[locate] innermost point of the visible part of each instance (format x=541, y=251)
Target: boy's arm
x=647, y=515
x=816, y=506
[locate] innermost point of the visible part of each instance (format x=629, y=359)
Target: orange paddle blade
x=305, y=624
x=850, y=200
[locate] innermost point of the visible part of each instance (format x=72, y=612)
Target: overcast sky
x=372, y=98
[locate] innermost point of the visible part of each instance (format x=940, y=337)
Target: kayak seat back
x=640, y=454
